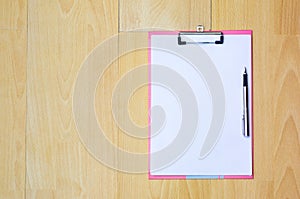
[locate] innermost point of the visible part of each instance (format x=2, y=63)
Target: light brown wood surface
x=13, y=14
x=166, y=14
x=13, y=108
x=44, y=43
x=13, y=56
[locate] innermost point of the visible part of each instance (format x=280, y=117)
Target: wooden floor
x=42, y=46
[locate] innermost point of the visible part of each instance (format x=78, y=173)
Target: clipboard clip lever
x=200, y=37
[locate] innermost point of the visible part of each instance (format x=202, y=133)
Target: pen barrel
x=245, y=80
x=246, y=111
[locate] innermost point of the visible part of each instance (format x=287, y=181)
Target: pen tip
x=245, y=70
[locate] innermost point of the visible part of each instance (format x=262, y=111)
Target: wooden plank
x=286, y=16
x=170, y=15
x=61, y=35
x=285, y=81
x=13, y=14
x=134, y=140
x=13, y=112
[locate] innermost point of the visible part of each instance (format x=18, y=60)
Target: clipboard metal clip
x=200, y=37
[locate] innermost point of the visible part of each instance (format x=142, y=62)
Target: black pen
x=245, y=104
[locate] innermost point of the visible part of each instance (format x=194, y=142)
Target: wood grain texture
x=287, y=17
x=13, y=14
x=286, y=116
x=13, y=113
x=60, y=35
x=138, y=110
x=166, y=14
x=137, y=104
x=13, y=51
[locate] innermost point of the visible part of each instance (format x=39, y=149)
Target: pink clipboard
x=193, y=176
